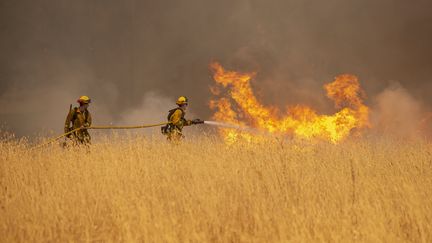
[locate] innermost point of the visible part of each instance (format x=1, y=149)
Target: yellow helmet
x=84, y=100
x=182, y=100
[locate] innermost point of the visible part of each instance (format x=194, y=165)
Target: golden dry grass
x=139, y=190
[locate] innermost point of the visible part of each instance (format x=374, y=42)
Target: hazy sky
x=133, y=58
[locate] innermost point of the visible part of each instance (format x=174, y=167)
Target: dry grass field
x=143, y=190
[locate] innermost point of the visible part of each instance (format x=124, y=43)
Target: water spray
x=242, y=128
x=227, y=125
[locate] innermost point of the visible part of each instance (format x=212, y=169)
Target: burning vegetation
x=240, y=106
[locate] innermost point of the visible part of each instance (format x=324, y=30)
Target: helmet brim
x=84, y=101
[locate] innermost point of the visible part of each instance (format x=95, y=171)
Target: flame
x=241, y=107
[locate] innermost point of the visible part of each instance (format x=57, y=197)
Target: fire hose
x=196, y=121
x=98, y=127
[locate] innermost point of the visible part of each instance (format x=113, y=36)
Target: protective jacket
x=176, y=120
x=176, y=117
x=78, y=119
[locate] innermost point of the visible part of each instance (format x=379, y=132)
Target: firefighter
x=79, y=117
x=177, y=120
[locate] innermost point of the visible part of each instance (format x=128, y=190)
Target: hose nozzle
x=197, y=121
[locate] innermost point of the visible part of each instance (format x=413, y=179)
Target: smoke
x=32, y=110
x=122, y=52
x=397, y=112
x=153, y=109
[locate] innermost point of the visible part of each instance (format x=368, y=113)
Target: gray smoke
x=124, y=53
x=397, y=113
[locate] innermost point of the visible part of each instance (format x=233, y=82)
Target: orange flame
x=300, y=121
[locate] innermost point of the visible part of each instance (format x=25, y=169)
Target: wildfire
x=241, y=107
